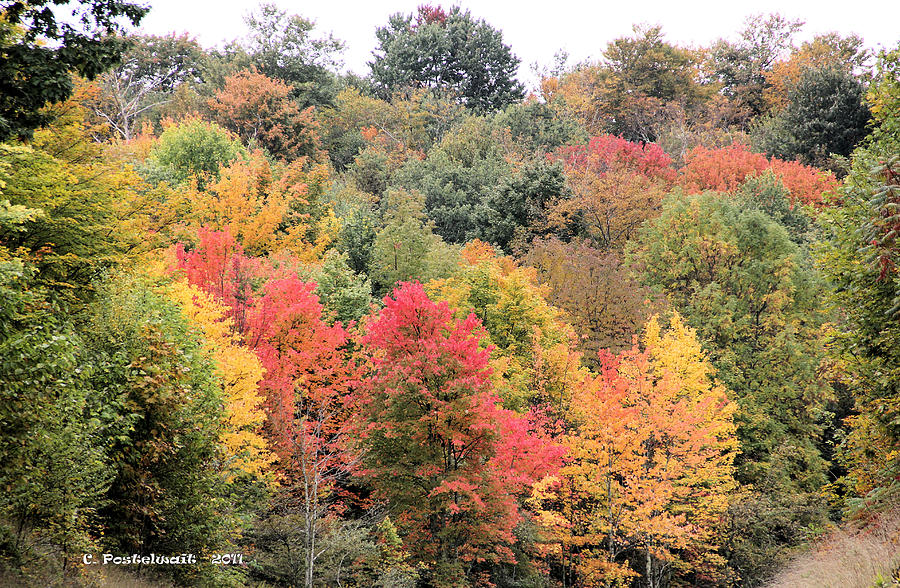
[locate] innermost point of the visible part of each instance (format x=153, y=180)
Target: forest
x=266, y=323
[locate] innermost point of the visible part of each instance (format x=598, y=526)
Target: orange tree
x=649, y=469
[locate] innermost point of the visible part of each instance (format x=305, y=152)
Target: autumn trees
x=616, y=185
x=259, y=108
x=649, y=469
x=439, y=447
x=412, y=330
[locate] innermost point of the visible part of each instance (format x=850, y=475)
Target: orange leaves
x=721, y=170
x=806, y=184
x=369, y=133
x=726, y=168
x=260, y=108
x=650, y=463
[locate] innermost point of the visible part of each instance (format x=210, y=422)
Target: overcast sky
x=536, y=30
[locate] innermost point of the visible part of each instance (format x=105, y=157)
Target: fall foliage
x=259, y=108
x=440, y=447
x=413, y=328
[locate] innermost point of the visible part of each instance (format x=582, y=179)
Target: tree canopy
x=446, y=50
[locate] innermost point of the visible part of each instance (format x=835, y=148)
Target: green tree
x=825, y=115
x=406, y=248
x=860, y=257
x=39, y=54
x=767, y=192
x=457, y=177
x=515, y=211
x=159, y=411
x=744, y=285
x=193, y=148
x=446, y=50
x=357, y=238
x=535, y=126
x=741, y=67
x=345, y=295
x=281, y=46
x=53, y=469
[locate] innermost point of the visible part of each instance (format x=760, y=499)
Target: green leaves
x=195, y=148
x=160, y=413
x=35, y=72
x=60, y=217
x=742, y=283
x=859, y=258
x=454, y=52
x=406, y=248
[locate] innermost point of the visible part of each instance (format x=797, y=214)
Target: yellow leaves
x=597, y=572
x=238, y=202
x=239, y=372
x=534, y=360
x=650, y=461
x=268, y=209
x=679, y=352
x=557, y=370
x=327, y=230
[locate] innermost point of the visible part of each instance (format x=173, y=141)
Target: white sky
x=536, y=30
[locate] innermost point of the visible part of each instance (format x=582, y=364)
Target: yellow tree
x=239, y=372
x=267, y=207
x=650, y=466
x=534, y=362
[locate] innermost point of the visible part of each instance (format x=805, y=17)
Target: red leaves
x=607, y=152
x=428, y=14
x=438, y=443
x=307, y=376
x=214, y=264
